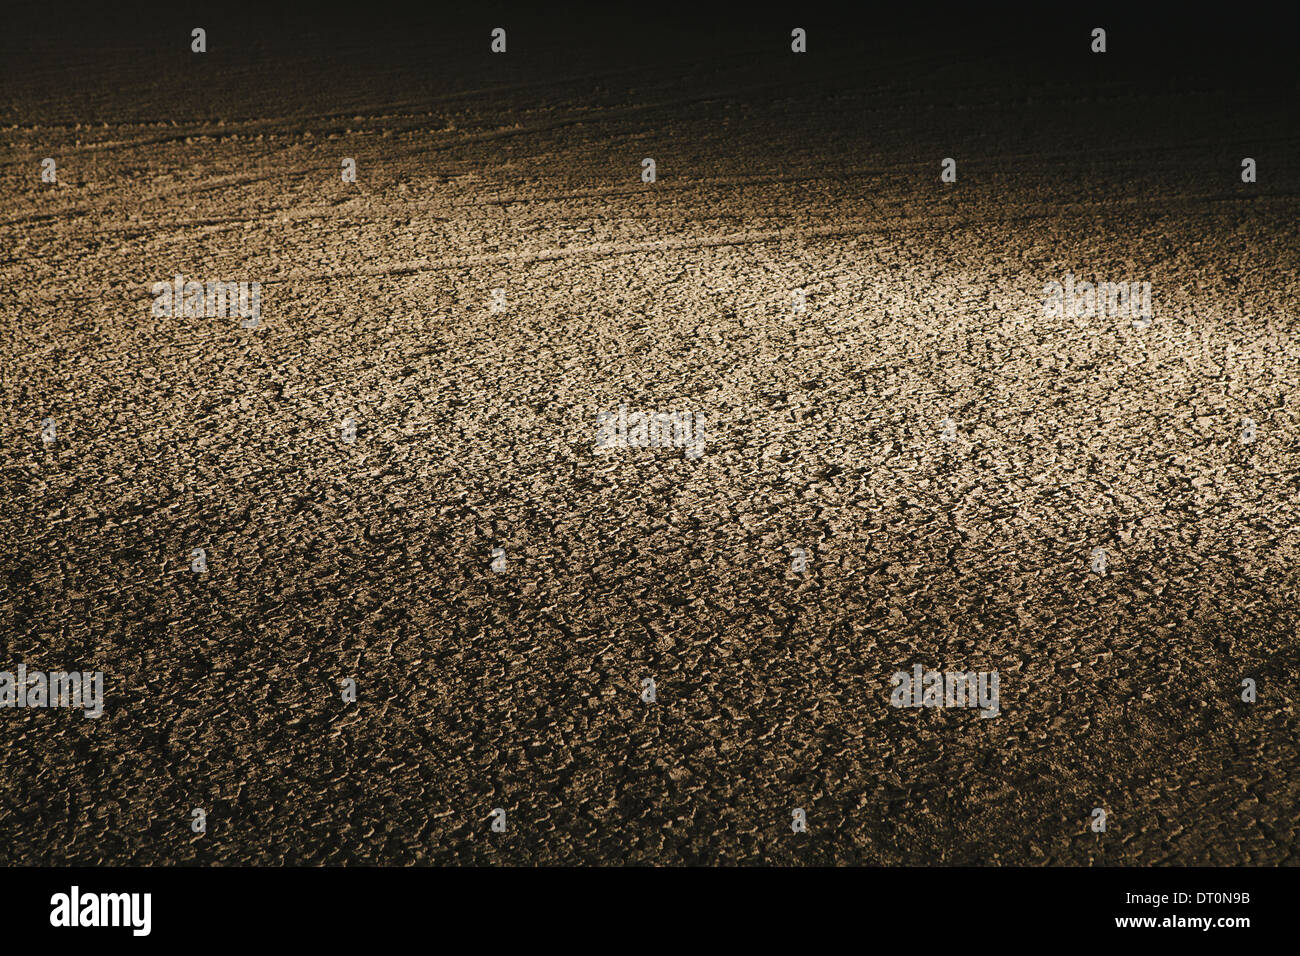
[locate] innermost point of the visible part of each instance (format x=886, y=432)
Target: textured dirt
x=476, y=430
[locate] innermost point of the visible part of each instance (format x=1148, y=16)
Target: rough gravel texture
x=476, y=430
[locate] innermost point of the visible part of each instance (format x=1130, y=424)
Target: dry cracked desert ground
x=947, y=454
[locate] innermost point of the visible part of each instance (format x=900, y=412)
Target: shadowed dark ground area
x=476, y=430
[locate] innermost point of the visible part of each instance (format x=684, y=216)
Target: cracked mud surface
x=476, y=430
